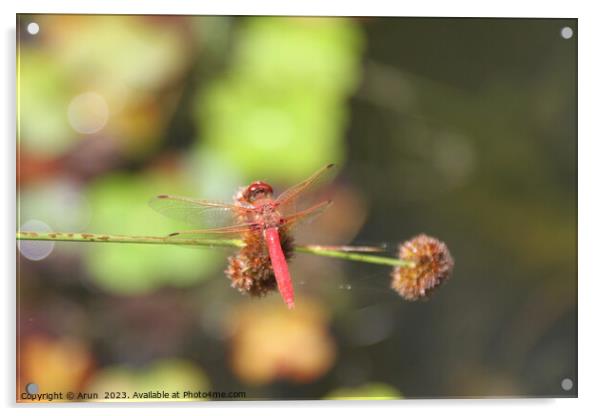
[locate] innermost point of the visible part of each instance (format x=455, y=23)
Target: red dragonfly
x=263, y=222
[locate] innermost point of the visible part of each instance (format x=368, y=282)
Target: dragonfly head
x=257, y=190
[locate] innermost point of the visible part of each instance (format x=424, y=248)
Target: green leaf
x=120, y=206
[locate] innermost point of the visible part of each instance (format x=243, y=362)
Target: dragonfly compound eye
x=257, y=190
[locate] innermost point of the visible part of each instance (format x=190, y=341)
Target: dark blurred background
x=464, y=129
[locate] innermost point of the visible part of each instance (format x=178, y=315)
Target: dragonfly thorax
x=267, y=214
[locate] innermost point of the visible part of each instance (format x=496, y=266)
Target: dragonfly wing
x=307, y=215
x=221, y=232
x=198, y=212
x=286, y=200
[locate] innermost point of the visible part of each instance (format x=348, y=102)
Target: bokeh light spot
x=88, y=113
x=33, y=28
x=35, y=250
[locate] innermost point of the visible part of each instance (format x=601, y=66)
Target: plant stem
x=326, y=251
x=347, y=255
x=107, y=238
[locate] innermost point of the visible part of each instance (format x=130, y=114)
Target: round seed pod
x=250, y=270
x=433, y=265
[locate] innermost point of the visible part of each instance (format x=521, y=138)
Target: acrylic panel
x=425, y=247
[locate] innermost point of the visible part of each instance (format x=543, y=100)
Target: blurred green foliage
x=141, y=57
x=43, y=97
x=120, y=207
x=279, y=110
x=170, y=374
x=368, y=391
x=127, y=66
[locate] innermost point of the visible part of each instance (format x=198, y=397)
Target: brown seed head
x=433, y=264
x=250, y=270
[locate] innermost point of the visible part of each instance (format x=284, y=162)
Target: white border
x=509, y=8
x=590, y=207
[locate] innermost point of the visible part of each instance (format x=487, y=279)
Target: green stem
x=346, y=255
x=106, y=238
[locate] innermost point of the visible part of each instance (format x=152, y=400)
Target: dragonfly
x=262, y=221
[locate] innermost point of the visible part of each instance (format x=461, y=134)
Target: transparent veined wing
x=307, y=215
x=287, y=201
x=220, y=232
x=206, y=214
